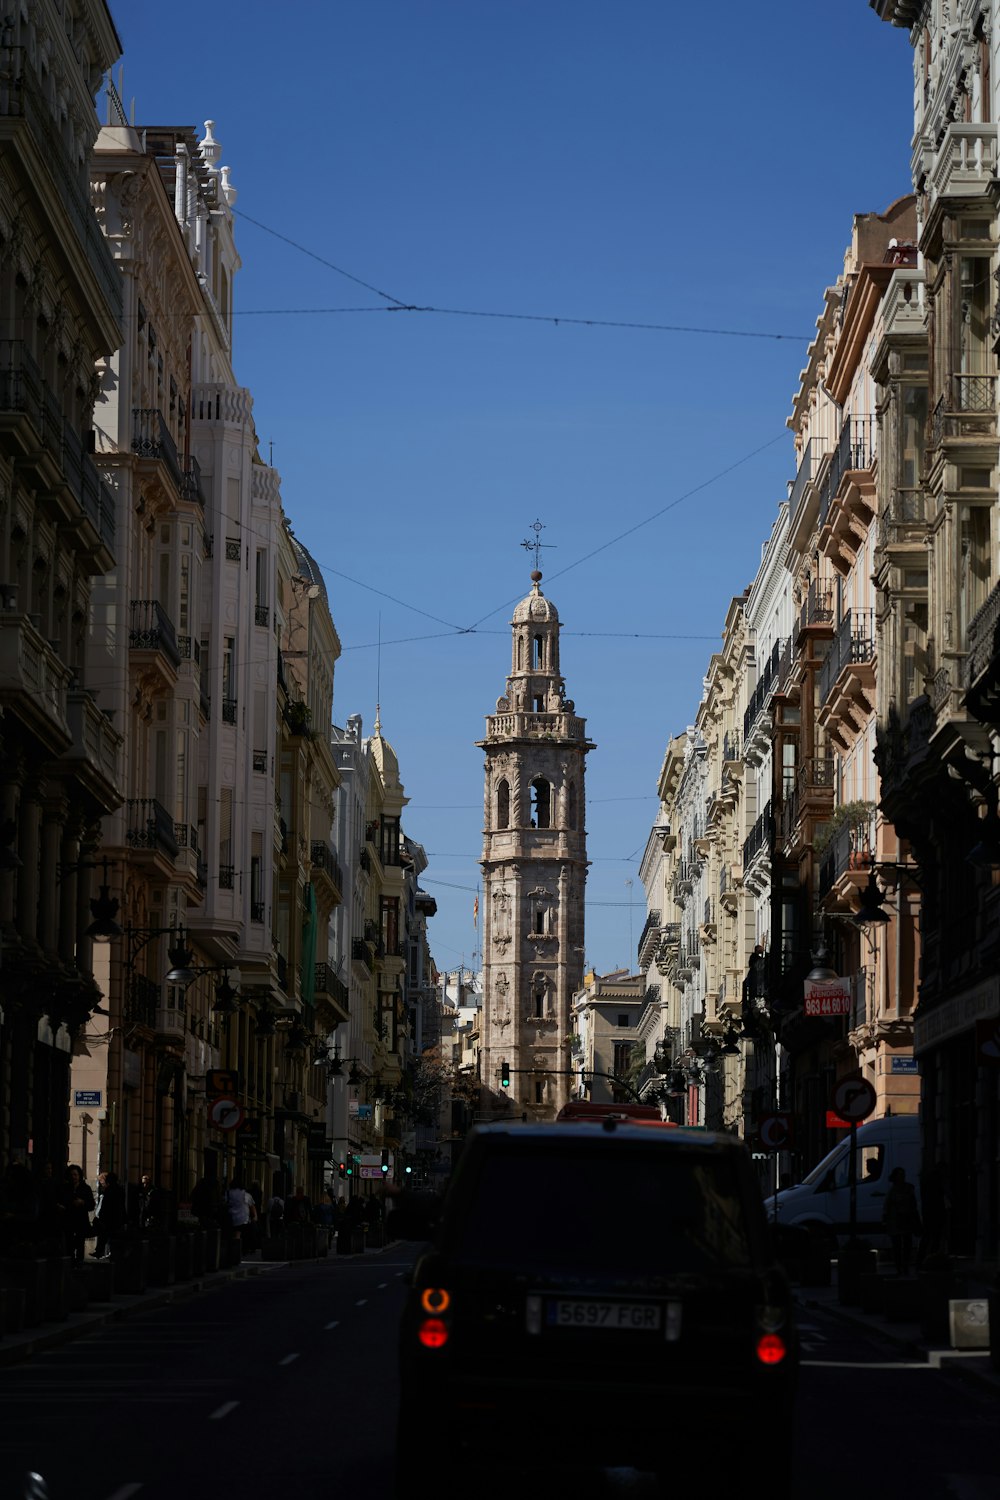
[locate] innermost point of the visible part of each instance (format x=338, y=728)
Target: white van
x=822, y=1201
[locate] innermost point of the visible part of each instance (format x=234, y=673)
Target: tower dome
x=535, y=609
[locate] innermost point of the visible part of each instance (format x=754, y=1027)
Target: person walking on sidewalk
x=901, y=1219
x=109, y=1216
x=77, y=1203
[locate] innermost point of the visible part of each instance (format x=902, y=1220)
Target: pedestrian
x=242, y=1210
x=901, y=1219
x=323, y=1213
x=206, y=1202
x=109, y=1215
x=275, y=1213
x=298, y=1208
x=77, y=1203
x=150, y=1204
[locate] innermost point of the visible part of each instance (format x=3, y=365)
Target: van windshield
x=869, y=1159
x=652, y=1210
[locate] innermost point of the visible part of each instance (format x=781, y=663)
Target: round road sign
x=775, y=1131
x=226, y=1114
x=853, y=1099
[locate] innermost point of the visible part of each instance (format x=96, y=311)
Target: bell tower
x=534, y=867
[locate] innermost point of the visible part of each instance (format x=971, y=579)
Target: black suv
x=606, y=1290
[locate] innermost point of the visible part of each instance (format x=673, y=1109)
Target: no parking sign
x=775, y=1131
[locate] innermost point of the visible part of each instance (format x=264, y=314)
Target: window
x=541, y=925
x=623, y=1019
x=973, y=323
x=503, y=804
x=389, y=921
x=540, y=802
x=913, y=425
x=974, y=562
x=389, y=841
x=537, y=653
x=539, y=1093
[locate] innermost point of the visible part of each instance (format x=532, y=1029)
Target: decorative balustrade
x=853, y=641
x=151, y=629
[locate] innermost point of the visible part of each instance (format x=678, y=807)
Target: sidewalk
x=47, y=1335
x=904, y=1332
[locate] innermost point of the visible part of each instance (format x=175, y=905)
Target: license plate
x=631, y=1316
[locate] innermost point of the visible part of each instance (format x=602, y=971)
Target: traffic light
x=349, y=1167
x=505, y=1074
x=385, y=1162
x=341, y=1169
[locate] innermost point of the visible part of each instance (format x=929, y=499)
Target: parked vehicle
x=603, y=1268
x=821, y=1202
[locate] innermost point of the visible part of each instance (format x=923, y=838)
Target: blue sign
x=903, y=1065
x=87, y=1098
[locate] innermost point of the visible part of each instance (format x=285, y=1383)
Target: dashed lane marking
x=222, y=1411
x=334, y=1324
x=287, y=1359
x=125, y=1491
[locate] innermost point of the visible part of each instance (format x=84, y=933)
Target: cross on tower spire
x=537, y=545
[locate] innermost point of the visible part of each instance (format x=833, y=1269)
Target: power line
x=631, y=530
x=398, y=305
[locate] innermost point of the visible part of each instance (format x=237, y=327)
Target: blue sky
x=630, y=162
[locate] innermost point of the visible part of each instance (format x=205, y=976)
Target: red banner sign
x=828, y=997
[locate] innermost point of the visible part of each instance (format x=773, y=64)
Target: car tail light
x=435, y=1299
x=771, y=1349
x=433, y=1333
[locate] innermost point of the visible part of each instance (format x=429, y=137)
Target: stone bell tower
x=534, y=868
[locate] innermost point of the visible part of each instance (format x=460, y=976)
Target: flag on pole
x=475, y=911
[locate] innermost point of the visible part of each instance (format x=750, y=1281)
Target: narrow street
x=284, y=1385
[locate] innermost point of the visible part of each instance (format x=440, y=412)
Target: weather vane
x=537, y=545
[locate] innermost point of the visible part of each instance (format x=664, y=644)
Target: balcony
x=93, y=754
x=817, y=609
x=260, y=762
x=853, y=646
x=649, y=939
x=327, y=983
x=325, y=863
x=258, y=911
x=153, y=443
x=904, y=520
x=152, y=640
x=685, y=872
x=964, y=161
x=361, y=953
x=192, y=489
x=24, y=96
x=149, y=826
x=229, y=707
x=234, y=549
x=142, y=1000
x=854, y=454
x=261, y=615
x=813, y=455
x=965, y=409
x=34, y=682
x=227, y=877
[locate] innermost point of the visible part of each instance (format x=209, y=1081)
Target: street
x=284, y=1384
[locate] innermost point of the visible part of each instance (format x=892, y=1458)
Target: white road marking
x=361, y=1302
x=287, y=1359
x=222, y=1411
x=125, y=1491
x=331, y=1325
x=382, y=1286
x=864, y=1364
x=971, y=1486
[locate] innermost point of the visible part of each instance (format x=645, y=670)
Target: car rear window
x=602, y=1210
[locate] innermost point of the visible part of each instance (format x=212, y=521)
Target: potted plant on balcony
x=855, y=816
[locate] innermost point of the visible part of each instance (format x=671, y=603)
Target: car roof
x=643, y=1133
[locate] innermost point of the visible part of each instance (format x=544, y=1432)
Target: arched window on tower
x=503, y=804
x=520, y=653
x=538, y=992
x=537, y=653
x=541, y=800
x=571, y=812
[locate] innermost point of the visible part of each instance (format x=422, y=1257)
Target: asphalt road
x=283, y=1387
